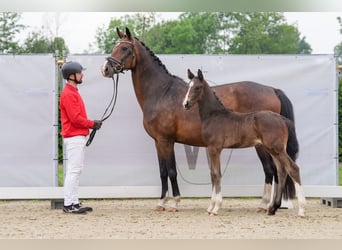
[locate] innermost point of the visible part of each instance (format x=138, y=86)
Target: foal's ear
x=120, y=34
x=128, y=33
x=190, y=75
x=200, y=75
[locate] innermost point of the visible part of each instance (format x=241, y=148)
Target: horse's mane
x=219, y=101
x=161, y=64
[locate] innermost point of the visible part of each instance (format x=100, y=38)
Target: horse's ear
x=190, y=75
x=200, y=75
x=120, y=34
x=128, y=33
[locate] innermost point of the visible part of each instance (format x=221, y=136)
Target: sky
x=320, y=29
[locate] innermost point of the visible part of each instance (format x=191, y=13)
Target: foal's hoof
x=159, y=208
x=301, y=215
x=270, y=212
x=173, y=209
x=212, y=214
x=261, y=210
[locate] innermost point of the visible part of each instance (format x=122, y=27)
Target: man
x=75, y=129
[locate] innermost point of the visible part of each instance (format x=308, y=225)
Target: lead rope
x=111, y=104
x=205, y=183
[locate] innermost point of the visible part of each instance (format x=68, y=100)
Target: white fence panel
x=27, y=115
x=122, y=154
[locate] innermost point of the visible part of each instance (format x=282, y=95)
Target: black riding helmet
x=70, y=68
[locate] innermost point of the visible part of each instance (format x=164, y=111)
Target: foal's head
x=195, y=90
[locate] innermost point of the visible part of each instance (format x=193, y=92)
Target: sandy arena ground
x=136, y=219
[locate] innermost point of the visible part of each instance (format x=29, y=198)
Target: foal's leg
x=215, y=173
x=278, y=189
x=291, y=168
x=293, y=171
x=167, y=168
x=270, y=172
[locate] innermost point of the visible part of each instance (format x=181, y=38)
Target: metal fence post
x=55, y=121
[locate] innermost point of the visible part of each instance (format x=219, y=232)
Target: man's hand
x=97, y=125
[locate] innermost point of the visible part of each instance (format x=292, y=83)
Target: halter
x=117, y=65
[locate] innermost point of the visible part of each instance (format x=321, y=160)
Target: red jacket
x=73, y=113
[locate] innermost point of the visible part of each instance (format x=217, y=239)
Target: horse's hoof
x=261, y=210
x=270, y=212
x=159, y=208
x=212, y=214
x=173, y=209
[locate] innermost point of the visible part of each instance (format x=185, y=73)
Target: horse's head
x=195, y=90
x=122, y=56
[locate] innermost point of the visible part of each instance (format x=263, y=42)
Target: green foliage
x=338, y=54
x=36, y=42
x=266, y=33
x=9, y=28
x=338, y=47
x=340, y=119
x=169, y=44
x=60, y=175
x=211, y=33
x=193, y=33
x=58, y=43
x=137, y=23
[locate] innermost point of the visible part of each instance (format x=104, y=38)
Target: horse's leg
x=163, y=177
x=288, y=166
x=172, y=173
x=212, y=199
x=301, y=199
x=167, y=168
x=215, y=173
x=278, y=187
x=293, y=171
x=270, y=172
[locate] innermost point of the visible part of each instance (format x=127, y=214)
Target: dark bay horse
x=159, y=95
x=225, y=128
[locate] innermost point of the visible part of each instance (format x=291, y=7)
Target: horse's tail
x=292, y=147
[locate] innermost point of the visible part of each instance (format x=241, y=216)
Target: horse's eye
x=124, y=48
x=197, y=88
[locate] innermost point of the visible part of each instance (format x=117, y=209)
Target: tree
x=36, y=42
x=338, y=47
x=58, y=43
x=162, y=39
x=9, y=27
x=266, y=33
x=192, y=33
x=338, y=54
x=340, y=119
x=138, y=23
x=213, y=33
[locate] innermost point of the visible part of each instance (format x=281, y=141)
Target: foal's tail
x=292, y=143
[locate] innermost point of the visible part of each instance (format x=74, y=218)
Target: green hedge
x=340, y=119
